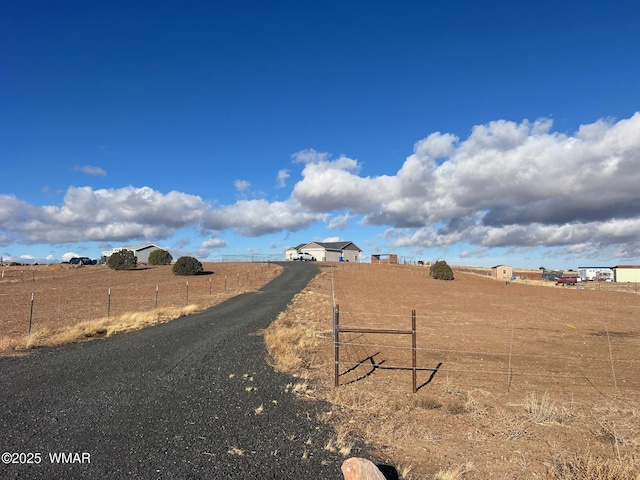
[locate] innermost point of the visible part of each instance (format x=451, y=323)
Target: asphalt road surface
x=193, y=398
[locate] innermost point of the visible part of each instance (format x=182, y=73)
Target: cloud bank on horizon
x=508, y=184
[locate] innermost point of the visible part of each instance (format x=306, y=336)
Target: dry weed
x=474, y=407
x=590, y=467
x=542, y=410
x=341, y=443
x=101, y=327
x=456, y=473
x=290, y=343
x=233, y=450
x=427, y=403
x=405, y=471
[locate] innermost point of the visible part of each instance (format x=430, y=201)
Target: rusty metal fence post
x=336, y=345
x=337, y=329
x=413, y=349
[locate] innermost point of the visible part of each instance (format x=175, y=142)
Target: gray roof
x=338, y=246
x=334, y=246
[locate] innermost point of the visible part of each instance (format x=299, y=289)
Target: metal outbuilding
x=626, y=273
x=141, y=252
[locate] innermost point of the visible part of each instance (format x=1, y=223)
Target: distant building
x=589, y=274
x=502, y=272
x=141, y=252
x=385, y=258
x=327, y=251
x=626, y=273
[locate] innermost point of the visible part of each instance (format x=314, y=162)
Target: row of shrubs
x=126, y=260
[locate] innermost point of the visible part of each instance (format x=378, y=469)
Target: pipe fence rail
x=338, y=329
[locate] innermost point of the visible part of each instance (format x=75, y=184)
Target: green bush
x=122, y=260
x=160, y=257
x=441, y=271
x=187, y=266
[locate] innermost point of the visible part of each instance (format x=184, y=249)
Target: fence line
x=81, y=298
x=357, y=352
x=495, y=354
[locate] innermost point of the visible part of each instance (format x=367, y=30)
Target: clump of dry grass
x=233, y=450
x=291, y=344
x=542, y=410
x=102, y=327
x=341, y=443
x=300, y=388
x=455, y=473
x=473, y=406
x=590, y=467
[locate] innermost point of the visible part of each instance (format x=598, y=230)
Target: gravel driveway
x=193, y=398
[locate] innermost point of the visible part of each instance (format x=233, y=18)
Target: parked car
x=551, y=275
x=305, y=257
x=82, y=261
x=566, y=281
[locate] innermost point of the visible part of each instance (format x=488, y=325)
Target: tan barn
x=502, y=272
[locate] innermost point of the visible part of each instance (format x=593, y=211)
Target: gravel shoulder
x=192, y=398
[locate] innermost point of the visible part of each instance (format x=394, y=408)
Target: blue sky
x=476, y=132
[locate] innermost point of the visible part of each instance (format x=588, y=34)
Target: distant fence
x=279, y=257
x=64, y=295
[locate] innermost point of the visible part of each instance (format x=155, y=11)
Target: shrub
x=160, y=257
x=187, y=266
x=122, y=260
x=441, y=271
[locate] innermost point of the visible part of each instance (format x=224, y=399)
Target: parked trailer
x=566, y=281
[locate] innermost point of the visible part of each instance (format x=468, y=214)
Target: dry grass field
x=72, y=303
x=523, y=381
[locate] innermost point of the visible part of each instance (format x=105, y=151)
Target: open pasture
x=521, y=381
x=67, y=295
x=504, y=336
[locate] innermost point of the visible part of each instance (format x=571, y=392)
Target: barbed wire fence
x=499, y=351
x=32, y=297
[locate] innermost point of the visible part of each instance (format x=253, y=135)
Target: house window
x=504, y=271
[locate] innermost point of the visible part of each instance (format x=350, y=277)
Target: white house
x=141, y=252
x=327, y=251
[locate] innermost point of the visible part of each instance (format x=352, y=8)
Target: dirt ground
x=64, y=295
x=521, y=381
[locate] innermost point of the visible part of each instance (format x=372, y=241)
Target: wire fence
x=60, y=296
x=508, y=353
